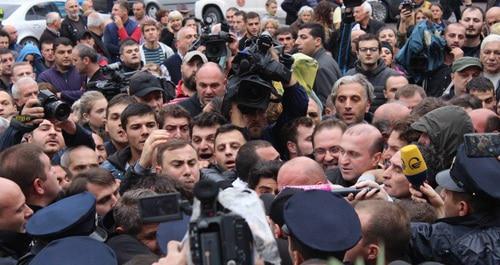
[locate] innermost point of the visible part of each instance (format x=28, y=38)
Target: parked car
x=28, y=16
x=152, y=6
x=215, y=9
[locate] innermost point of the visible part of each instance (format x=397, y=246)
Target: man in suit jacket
x=185, y=38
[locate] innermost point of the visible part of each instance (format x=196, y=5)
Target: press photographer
x=250, y=89
x=44, y=120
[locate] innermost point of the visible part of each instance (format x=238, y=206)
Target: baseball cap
x=143, y=83
x=192, y=54
x=466, y=62
x=473, y=175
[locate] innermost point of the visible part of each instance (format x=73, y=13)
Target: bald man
x=13, y=34
x=362, y=147
x=393, y=111
x=14, y=213
x=300, y=171
x=479, y=119
x=492, y=16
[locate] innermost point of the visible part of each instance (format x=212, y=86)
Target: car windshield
x=7, y=9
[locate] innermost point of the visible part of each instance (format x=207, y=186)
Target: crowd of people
x=102, y=113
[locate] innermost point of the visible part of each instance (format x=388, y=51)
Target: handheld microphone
x=414, y=166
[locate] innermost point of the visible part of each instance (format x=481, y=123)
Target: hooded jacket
x=446, y=127
x=377, y=78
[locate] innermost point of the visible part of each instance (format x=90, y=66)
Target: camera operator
x=252, y=24
x=130, y=56
x=49, y=132
x=85, y=60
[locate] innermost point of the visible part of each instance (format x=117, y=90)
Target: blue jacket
x=70, y=83
x=417, y=46
x=33, y=50
x=111, y=39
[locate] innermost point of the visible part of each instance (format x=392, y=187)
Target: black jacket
x=48, y=35
x=291, y=7
x=192, y=105
x=13, y=246
x=127, y=247
x=71, y=29
x=377, y=78
x=472, y=239
x=117, y=163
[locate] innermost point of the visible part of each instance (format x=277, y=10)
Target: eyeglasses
x=332, y=150
x=371, y=49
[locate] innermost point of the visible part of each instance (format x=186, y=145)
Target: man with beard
x=74, y=24
x=33, y=173
x=7, y=58
x=186, y=87
x=210, y=83
x=204, y=127
x=298, y=137
x=439, y=79
x=473, y=20
x=63, y=75
x=183, y=40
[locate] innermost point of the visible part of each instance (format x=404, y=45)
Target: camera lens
x=58, y=110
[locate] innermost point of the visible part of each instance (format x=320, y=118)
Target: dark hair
x=149, y=22
x=406, y=133
x=98, y=176
x=123, y=4
x=247, y=157
x=126, y=211
x=208, y=119
x=241, y=13
x=252, y=15
x=4, y=33
x=140, y=2
x=316, y=30
x=290, y=130
x=428, y=104
x=46, y=41
x=368, y=37
x=229, y=128
x=286, y=30
x=135, y=109
x=328, y=124
x=142, y=259
x=174, y=111
x=466, y=101
x=185, y=20
x=62, y=41
x=492, y=124
x=120, y=99
x=86, y=51
x=158, y=184
x=126, y=43
x=323, y=13
x=418, y=211
x=161, y=13
x=22, y=164
x=480, y=84
x=388, y=224
x=409, y=91
x=263, y=169
x=5, y=51
x=438, y=5
x=169, y=146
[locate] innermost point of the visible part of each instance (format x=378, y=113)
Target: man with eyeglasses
x=286, y=39
x=372, y=66
x=326, y=143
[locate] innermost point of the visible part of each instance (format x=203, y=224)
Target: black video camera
x=117, y=81
x=217, y=236
x=215, y=43
x=52, y=106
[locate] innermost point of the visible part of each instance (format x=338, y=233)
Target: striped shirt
x=156, y=56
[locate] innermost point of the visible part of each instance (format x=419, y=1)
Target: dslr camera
x=52, y=106
x=407, y=5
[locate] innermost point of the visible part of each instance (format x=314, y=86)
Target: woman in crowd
x=93, y=106
x=270, y=25
x=306, y=14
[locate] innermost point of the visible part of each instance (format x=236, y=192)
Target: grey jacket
x=327, y=75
